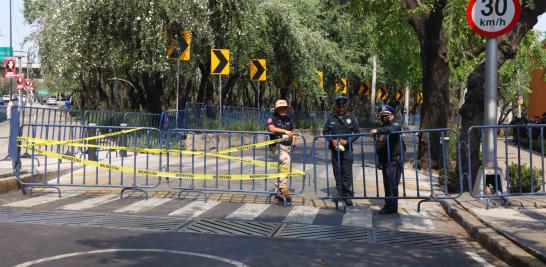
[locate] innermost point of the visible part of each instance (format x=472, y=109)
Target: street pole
x=490, y=105
x=220, y=86
x=374, y=73
x=20, y=101
x=11, y=51
x=177, y=84
x=406, y=105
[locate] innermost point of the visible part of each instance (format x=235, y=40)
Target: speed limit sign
x=492, y=18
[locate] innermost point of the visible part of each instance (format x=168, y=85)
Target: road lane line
x=302, y=214
x=194, y=209
x=248, y=211
x=91, y=203
x=144, y=205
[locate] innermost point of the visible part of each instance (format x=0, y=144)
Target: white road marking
x=92, y=252
x=91, y=203
x=34, y=201
x=360, y=216
x=415, y=220
x=248, y=211
x=194, y=209
x=143, y=205
x=302, y=214
x=479, y=259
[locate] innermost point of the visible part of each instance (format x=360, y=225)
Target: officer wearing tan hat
x=280, y=125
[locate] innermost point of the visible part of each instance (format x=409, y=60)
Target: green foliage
x=521, y=175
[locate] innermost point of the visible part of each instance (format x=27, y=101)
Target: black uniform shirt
x=337, y=125
x=394, y=142
x=282, y=123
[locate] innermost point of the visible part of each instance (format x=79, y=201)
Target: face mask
x=385, y=119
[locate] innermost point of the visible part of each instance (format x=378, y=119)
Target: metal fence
x=515, y=168
x=58, y=163
x=359, y=163
x=230, y=153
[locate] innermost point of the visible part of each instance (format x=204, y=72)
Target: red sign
x=492, y=18
x=10, y=64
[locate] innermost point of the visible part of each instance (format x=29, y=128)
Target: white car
x=5, y=98
x=51, y=101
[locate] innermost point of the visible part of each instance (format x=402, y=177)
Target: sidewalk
x=517, y=234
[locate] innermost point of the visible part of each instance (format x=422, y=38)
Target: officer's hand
x=343, y=142
x=373, y=131
x=289, y=133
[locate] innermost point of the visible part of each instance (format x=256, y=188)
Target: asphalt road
x=50, y=245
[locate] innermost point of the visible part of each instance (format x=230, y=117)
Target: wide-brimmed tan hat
x=280, y=103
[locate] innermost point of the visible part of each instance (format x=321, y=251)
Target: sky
x=22, y=30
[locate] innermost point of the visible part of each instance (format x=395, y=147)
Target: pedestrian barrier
x=142, y=119
x=103, y=118
x=64, y=164
x=237, y=161
x=516, y=166
x=46, y=116
x=360, y=162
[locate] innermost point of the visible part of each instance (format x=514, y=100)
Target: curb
x=490, y=239
x=8, y=184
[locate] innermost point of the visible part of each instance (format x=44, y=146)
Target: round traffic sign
x=491, y=18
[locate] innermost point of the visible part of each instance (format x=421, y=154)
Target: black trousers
x=343, y=172
x=391, y=178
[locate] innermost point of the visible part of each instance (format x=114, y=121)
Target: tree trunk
x=435, y=80
x=472, y=111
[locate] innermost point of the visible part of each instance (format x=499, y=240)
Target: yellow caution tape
x=286, y=170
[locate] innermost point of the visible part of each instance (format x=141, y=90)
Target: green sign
x=42, y=92
x=5, y=52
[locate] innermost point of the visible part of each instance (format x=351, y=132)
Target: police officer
x=342, y=122
x=281, y=126
x=391, y=166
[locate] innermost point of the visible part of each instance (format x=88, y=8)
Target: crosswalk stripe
x=143, y=205
x=91, y=203
x=415, y=221
x=360, y=216
x=248, y=211
x=302, y=214
x=34, y=201
x=194, y=209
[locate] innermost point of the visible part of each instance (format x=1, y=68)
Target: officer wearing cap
x=280, y=125
x=389, y=157
x=341, y=122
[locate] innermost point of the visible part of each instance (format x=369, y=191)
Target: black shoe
x=386, y=210
x=348, y=202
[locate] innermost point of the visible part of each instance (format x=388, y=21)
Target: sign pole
x=11, y=51
x=374, y=70
x=490, y=105
x=177, y=83
x=406, y=105
x=220, y=86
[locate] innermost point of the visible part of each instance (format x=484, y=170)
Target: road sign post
x=491, y=19
x=258, y=72
x=219, y=65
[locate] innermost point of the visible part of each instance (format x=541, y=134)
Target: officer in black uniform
x=391, y=166
x=338, y=123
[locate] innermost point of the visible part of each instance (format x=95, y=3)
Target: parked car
x=51, y=101
x=5, y=98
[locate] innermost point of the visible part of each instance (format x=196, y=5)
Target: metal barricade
x=142, y=119
x=211, y=158
x=173, y=119
x=65, y=164
x=194, y=115
x=46, y=116
x=517, y=166
x=103, y=118
x=368, y=181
